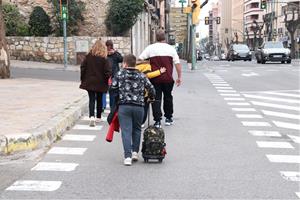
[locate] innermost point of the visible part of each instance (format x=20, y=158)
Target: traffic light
x=196, y=11
x=64, y=2
x=263, y=4
x=206, y=20
x=218, y=20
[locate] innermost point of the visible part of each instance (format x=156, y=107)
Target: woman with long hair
x=95, y=72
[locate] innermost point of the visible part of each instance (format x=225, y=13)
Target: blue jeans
x=130, y=118
x=104, y=101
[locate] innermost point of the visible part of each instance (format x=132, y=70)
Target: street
x=235, y=136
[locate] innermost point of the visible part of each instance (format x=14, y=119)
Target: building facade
x=178, y=23
x=226, y=25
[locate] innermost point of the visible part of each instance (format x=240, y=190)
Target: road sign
x=64, y=13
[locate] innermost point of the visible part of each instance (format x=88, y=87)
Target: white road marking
x=280, y=114
x=283, y=94
x=67, y=151
x=296, y=139
x=83, y=138
x=29, y=185
x=265, y=133
x=86, y=118
x=250, y=116
x=279, y=145
x=296, y=91
x=87, y=127
x=290, y=176
x=272, y=98
x=284, y=158
x=250, y=74
x=52, y=166
x=298, y=194
x=229, y=91
x=234, y=99
x=224, y=88
x=231, y=95
x=287, y=125
x=271, y=105
x=238, y=104
x=244, y=109
x=220, y=84
x=259, y=124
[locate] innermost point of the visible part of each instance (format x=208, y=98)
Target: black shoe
x=169, y=122
x=157, y=124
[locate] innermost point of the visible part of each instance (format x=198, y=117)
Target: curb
x=47, y=133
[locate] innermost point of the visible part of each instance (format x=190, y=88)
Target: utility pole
x=64, y=17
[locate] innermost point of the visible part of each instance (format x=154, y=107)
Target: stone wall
x=51, y=49
x=94, y=15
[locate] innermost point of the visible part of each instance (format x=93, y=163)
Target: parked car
x=206, y=56
x=215, y=58
x=274, y=52
x=199, y=56
x=239, y=52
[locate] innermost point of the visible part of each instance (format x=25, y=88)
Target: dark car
x=239, y=52
x=274, y=52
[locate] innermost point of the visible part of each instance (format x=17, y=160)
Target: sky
x=202, y=28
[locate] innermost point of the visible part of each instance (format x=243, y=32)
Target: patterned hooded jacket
x=132, y=85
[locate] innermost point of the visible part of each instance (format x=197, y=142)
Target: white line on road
x=298, y=194
x=272, y=98
x=244, y=109
x=280, y=114
x=231, y=95
x=279, y=145
x=86, y=118
x=225, y=88
x=220, y=84
x=83, y=138
x=283, y=94
x=290, y=175
x=52, y=166
x=87, y=127
x=67, y=151
x=29, y=185
x=273, y=70
x=238, y=104
x=287, y=125
x=265, y=133
x=271, y=105
x=250, y=116
x=295, y=139
x=258, y=124
x=234, y=99
x=229, y=91
x=284, y=158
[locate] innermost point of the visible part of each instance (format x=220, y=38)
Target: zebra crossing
x=269, y=116
x=71, y=151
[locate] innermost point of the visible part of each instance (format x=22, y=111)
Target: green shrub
x=14, y=22
x=122, y=15
x=75, y=10
x=39, y=22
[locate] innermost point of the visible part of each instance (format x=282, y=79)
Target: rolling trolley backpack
x=153, y=146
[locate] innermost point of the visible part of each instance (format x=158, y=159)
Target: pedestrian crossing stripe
x=258, y=124
x=295, y=139
x=284, y=158
x=87, y=127
x=265, y=133
x=225, y=88
x=238, y=104
x=220, y=84
x=290, y=175
x=227, y=91
x=283, y=94
x=81, y=138
x=234, y=99
x=287, y=125
x=244, y=109
x=250, y=116
x=272, y=98
x=231, y=95
x=67, y=151
x=280, y=114
x=298, y=194
x=279, y=145
x=31, y=185
x=86, y=118
x=53, y=166
x=257, y=103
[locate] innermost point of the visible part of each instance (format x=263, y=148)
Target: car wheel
x=245, y=60
x=289, y=61
x=282, y=62
x=257, y=61
x=250, y=60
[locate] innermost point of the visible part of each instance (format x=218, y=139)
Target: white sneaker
x=98, y=120
x=92, y=122
x=128, y=161
x=135, y=156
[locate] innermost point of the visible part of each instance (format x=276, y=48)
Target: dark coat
x=95, y=72
x=115, y=59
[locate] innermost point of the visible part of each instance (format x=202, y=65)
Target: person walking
x=162, y=54
x=115, y=58
x=95, y=72
x=131, y=85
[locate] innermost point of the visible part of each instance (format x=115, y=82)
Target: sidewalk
x=35, y=112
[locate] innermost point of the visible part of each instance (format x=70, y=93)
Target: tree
x=4, y=54
x=122, y=15
x=258, y=29
x=292, y=23
x=39, y=22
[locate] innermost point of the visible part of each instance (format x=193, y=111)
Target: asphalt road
x=236, y=136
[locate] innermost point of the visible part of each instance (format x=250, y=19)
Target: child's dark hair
x=130, y=60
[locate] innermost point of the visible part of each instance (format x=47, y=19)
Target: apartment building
x=178, y=24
